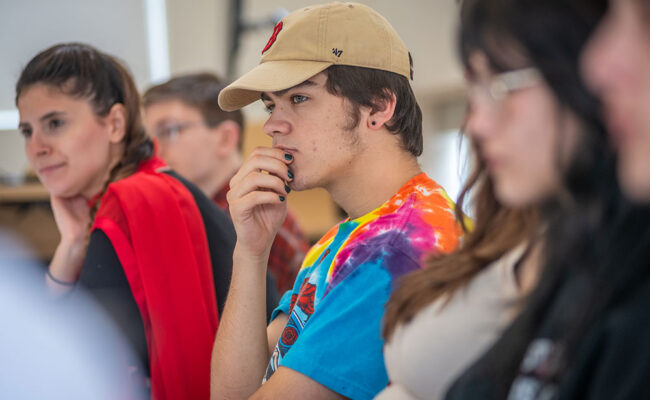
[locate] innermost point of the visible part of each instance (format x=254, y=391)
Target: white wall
x=29, y=26
x=197, y=35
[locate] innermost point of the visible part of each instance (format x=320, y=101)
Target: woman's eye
x=298, y=98
x=269, y=108
x=54, y=123
x=26, y=132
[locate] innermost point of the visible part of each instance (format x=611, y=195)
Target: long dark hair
x=592, y=230
x=485, y=27
x=81, y=71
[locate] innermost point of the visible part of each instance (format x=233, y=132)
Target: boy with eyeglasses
x=203, y=143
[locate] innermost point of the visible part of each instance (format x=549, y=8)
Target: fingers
x=273, y=152
x=258, y=182
x=258, y=198
x=270, y=160
x=72, y=217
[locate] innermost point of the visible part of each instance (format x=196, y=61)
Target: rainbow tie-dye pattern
x=345, y=280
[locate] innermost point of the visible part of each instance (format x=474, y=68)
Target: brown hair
x=200, y=91
x=82, y=71
x=368, y=87
x=496, y=230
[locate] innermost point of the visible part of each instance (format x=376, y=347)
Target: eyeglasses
x=500, y=86
x=170, y=132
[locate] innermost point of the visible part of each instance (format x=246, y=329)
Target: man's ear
x=116, y=123
x=382, y=112
x=228, y=136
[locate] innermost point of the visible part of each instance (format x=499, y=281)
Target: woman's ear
x=382, y=112
x=116, y=123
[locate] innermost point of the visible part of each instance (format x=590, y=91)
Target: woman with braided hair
x=145, y=242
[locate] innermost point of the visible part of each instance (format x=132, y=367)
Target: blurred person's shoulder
x=67, y=343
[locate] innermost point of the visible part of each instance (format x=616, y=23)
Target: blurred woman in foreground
x=535, y=129
x=583, y=333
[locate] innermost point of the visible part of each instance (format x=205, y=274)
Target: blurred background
x=161, y=38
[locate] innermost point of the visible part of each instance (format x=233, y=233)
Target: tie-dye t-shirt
x=336, y=305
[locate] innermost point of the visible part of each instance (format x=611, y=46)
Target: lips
x=285, y=149
x=50, y=168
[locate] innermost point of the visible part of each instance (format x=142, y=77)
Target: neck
x=227, y=168
x=101, y=180
x=375, y=177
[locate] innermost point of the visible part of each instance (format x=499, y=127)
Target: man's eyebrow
x=163, y=122
x=280, y=93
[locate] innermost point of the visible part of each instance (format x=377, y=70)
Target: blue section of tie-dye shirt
x=336, y=305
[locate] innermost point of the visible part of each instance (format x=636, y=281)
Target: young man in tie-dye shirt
x=335, y=79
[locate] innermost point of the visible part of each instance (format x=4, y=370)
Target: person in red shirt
x=203, y=143
x=146, y=243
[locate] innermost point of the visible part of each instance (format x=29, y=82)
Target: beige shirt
x=424, y=356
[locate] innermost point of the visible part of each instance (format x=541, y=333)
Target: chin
x=514, y=197
x=52, y=188
x=61, y=190
x=297, y=185
x=300, y=182
x=635, y=181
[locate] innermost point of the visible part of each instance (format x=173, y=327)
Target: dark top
x=103, y=276
x=612, y=360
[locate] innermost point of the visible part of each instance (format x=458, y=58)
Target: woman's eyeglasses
x=500, y=86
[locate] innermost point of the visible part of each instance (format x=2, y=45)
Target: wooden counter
x=25, y=212
x=26, y=193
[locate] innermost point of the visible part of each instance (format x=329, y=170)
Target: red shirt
x=288, y=249
x=158, y=235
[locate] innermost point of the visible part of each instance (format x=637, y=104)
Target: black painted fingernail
x=288, y=157
x=290, y=174
x=281, y=198
x=287, y=189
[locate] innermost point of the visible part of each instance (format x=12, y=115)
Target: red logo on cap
x=276, y=30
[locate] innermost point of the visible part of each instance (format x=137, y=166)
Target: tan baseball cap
x=309, y=40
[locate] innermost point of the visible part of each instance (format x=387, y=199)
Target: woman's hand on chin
x=72, y=216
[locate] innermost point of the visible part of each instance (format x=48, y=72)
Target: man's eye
x=167, y=131
x=298, y=98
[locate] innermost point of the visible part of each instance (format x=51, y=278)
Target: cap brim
x=270, y=76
